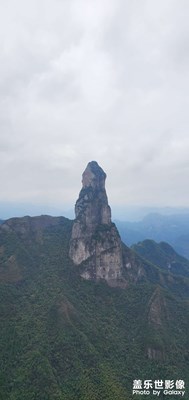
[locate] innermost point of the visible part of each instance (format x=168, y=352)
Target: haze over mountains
x=134, y=223
x=173, y=229
x=83, y=315
x=163, y=255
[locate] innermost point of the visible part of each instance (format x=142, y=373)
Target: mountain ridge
x=60, y=315
x=163, y=255
x=173, y=229
x=64, y=337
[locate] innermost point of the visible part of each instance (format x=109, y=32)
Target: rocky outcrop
x=95, y=242
x=157, y=315
x=157, y=322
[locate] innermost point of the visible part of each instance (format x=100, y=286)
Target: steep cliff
x=95, y=245
x=95, y=240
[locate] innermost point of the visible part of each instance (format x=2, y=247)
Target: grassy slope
x=66, y=338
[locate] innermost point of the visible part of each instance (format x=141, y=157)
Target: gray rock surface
x=95, y=241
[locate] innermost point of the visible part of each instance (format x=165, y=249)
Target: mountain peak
x=93, y=176
x=95, y=239
x=92, y=205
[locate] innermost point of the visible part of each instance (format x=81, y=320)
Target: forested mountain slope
x=163, y=255
x=173, y=229
x=63, y=337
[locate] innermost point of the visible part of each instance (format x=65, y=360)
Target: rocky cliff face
x=95, y=242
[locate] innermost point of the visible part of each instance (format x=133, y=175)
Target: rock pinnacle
x=95, y=243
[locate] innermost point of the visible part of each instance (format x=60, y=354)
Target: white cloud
x=104, y=80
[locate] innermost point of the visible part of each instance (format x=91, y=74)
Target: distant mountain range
x=162, y=255
x=173, y=229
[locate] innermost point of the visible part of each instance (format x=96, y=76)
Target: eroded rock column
x=95, y=241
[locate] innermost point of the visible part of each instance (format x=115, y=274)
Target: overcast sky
x=104, y=80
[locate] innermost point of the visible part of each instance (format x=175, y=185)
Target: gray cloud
x=103, y=80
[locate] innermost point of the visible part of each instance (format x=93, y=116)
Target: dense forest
x=66, y=338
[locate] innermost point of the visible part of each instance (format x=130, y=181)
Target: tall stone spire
x=95, y=242
x=92, y=206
